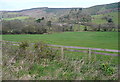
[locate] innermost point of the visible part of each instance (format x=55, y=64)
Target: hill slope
x=57, y=12
x=102, y=9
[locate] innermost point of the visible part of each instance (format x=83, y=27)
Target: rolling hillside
x=102, y=9
x=57, y=12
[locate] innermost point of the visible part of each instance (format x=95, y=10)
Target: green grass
x=20, y=18
x=107, y=40
x=12, y=13
x=98, y=19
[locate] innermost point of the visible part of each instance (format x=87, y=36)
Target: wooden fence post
x=62, y=52
x=89, y=53
x=95, y=57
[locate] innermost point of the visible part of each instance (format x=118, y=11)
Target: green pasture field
x=105, y=40
x=20, y=18
x=12, y=13
x=98, y=20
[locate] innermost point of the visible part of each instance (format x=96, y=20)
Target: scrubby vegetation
x=40, y=62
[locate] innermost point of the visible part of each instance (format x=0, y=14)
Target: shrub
x=106, y=68
x=23, y=45
x=43, y=51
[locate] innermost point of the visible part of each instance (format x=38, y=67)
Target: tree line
x=32, y=26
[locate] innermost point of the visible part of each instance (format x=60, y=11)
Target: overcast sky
x=26, y=4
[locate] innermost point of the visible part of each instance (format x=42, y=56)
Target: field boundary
x=71, y=48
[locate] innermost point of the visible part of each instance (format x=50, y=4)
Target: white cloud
x=67, y=1
x=59, y=0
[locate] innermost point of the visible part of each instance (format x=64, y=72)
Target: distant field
x=98, y=19
x=21, y=17
x=12, y=13
x=83, y=39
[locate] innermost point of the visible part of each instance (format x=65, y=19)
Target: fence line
x=98, y=49
x=101, y=53
x=87, y=50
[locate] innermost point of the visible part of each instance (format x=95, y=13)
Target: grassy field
x=98, y=19
x=12, y=13
x=107, y=40
x=20, y=18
